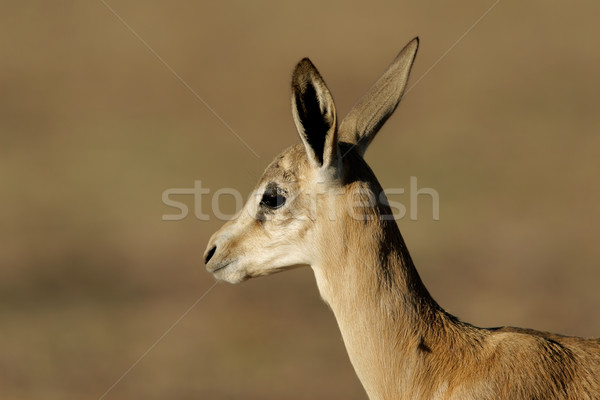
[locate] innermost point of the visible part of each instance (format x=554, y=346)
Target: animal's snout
x=209, y=254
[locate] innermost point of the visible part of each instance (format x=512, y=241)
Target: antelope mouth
x=229, y=271
x=219, y=267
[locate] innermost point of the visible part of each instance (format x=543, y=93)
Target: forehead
x=289, y=166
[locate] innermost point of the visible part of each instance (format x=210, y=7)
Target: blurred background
x=94, y=127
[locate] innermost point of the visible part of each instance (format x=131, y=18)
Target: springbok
x=319, y=204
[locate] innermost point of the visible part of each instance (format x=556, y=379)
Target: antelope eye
x=272, y=198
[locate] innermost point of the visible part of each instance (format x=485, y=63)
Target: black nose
x=209, y=255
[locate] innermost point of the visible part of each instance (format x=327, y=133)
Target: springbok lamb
x=319, y=204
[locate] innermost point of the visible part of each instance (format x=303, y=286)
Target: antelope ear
x=369, y=114
x=314, y=115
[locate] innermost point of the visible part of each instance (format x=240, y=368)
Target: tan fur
x=402, y=344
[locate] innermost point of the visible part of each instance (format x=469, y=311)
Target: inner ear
x=314, y=113
x=315, y=121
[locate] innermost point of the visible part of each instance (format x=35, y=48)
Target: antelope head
x=301, y=207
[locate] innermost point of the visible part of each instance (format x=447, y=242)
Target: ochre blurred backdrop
x=94, y=127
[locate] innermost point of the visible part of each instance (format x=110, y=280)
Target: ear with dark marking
x=369, y=114
x=314, y=114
